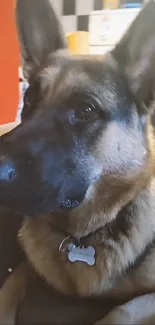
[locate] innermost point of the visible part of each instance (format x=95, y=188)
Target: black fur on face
x=84, y=119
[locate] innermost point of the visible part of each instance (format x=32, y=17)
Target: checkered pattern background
x=75, y=13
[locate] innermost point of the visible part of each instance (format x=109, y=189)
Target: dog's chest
x=139, y=279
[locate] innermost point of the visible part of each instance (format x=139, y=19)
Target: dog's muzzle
x=29, y=188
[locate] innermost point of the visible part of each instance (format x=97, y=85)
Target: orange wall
x=9, y=62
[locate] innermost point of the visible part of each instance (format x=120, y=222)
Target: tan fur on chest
x=117, y=247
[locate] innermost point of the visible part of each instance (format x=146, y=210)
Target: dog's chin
x=71, y=203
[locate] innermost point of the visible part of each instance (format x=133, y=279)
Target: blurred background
x=90, y=26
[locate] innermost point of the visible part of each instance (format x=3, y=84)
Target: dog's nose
x=10, y=168
x=17, y=179
x=22, y=187
x=8, y=171
x=13, y=163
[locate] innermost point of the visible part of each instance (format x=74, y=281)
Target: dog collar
x=76, y=249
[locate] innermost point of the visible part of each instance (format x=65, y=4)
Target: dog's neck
x=131, y=231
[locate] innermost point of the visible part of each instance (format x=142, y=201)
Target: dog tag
x=81, y=254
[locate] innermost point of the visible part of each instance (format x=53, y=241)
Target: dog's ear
x=135, y=54
x=39, y=32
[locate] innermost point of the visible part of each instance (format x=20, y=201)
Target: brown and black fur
x=87, y=143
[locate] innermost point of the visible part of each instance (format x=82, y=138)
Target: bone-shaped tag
x=81, y=254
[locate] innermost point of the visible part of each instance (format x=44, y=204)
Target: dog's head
x=85, y=119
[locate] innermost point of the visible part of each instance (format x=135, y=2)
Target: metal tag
x=81, y=254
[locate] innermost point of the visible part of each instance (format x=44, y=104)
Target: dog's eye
x=85, y=112
x=83, y=109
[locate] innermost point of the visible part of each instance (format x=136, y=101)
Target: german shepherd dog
x=80, y=167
